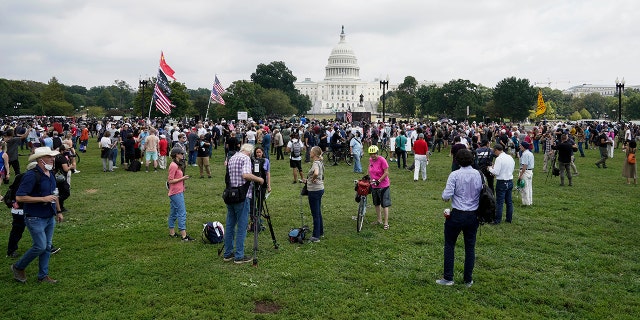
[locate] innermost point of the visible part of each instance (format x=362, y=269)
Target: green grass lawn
x=573, y=255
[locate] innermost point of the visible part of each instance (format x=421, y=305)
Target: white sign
x=242, y=115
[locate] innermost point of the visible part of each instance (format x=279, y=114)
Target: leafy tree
x=276, y=75
x=241, y=95
x=575, y=116
x=53, y=92
x=584, y=114
x=595, y=103
x=276, y=103
x=106, y=100
x=455, y=96
x=52, y=100
x=407, y=96
x=423, y=97
x=514, y=98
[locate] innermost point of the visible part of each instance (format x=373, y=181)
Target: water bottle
x=55, y=193
x=447, y=213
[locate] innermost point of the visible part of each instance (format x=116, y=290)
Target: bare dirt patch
x=91, y=191
x=266, y=307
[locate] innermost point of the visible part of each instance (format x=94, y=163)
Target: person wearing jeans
x=41, y=210
x=315, y=186
x=356, y=150
x=463, y=189
x=240, y=172
x=503, y=170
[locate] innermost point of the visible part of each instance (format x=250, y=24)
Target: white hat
x=41, y=152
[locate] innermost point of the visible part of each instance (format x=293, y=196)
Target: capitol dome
x=342, y=64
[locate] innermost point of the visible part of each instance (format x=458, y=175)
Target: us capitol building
x=342, y=87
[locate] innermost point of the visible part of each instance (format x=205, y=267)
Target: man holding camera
x=240, y=172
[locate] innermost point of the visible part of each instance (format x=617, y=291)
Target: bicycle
x=383, y=150
x=341, y=154
x=363, y=188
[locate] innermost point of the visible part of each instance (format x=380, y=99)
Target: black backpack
x=10, y=196
x=487, y=207
x=213, y=232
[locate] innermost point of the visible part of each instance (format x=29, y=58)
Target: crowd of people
x=493, y=149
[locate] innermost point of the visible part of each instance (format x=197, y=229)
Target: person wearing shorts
x=151, y=149
x=295, y=163
x=380, y=192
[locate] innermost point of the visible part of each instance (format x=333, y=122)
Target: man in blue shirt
x=463, y=189
x=41, y=210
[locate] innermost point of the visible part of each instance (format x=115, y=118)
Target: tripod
x=260, y=209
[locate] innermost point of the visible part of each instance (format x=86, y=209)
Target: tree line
x=271, y=93
x=512, y=98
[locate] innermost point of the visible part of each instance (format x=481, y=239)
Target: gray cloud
x=96, y=42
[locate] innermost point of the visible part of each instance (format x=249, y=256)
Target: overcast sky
x=93, y=43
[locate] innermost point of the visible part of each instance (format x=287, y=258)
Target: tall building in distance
x=342, y=87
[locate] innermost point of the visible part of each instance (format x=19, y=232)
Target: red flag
x=165, y=67
x=349, y=117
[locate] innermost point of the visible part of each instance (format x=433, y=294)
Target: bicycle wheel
x=77, y=158
x=384, y=153
x=362, y=209
x=348, y=159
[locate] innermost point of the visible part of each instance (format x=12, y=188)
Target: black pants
x=15, y=164
x=17, y=228
x=64, y=192
x=401, y=155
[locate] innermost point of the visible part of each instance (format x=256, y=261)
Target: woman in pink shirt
x=175, y=184
x=380, y=193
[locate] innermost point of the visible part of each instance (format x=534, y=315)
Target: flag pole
x=206, y=116
x=150, y=104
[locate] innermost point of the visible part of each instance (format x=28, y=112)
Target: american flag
x=349, y=117
x=163, y=83
x=217, y=91
x=163, y=104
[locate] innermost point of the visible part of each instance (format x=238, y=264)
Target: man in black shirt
x=602, y=144
x=565, y=150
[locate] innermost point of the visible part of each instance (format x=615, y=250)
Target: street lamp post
x=620, y=89
x=142, y=84
x=16, y=107
x=384, y=85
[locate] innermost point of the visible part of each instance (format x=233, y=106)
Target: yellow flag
x=541, y=107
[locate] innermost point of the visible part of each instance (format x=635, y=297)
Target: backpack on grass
x=298, y=235
x=213, y=232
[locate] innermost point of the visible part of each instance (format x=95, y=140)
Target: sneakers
x=47, y=279
x=55, y=250
x=228, y=258
x=187, y=238
x=444, y=282
x=469, y=284
x=244, y=259
x=13, y=255
x=18, y=274
x=175, y=235
x=314, y=239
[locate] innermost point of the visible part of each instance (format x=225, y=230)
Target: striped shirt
x=238, y=165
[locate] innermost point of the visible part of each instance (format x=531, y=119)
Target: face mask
x=47, y=166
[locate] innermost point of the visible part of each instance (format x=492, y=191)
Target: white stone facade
x=341, y=88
